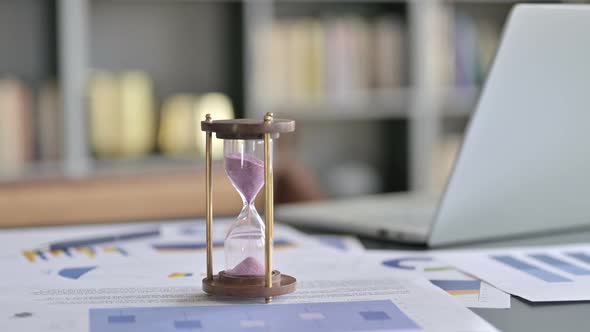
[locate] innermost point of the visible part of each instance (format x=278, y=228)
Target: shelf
x=149, y=165
x=146, y=165
x=375, y=105
x=456, y=102
x=362, y=2
x=112, y=199
x=503, y=2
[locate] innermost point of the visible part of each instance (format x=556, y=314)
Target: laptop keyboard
x=388, y=211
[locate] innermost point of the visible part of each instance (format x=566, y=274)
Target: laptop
x=524, y=165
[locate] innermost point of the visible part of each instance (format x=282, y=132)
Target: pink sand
x=248, y=267
x=247, y=174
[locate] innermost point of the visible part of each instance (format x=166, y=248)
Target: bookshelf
x=404, y=84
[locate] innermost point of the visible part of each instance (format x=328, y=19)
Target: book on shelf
x=488, y=35
x=137, y=114
x=388, y=41
x=50, y=122
x=121, y=114
x=180, y=132
x=176, y=136
x=474, y=42
x=124, y=122
x=328, y=60
x=220, y=107
x=103, y=119
x=31, y=124
x=16, y=126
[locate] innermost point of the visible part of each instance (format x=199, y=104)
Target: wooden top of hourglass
x=248, y=128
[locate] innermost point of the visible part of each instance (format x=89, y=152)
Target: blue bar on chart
x=561, y=264
x=530, y=269
x=313, y=317
x=121, y=319
x=187, y=324
x=75, y=273
x=581, y=256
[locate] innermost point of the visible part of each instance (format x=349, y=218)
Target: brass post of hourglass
x=268, y=205
x=208, y=201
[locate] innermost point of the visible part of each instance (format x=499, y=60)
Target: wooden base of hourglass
x=223, y=284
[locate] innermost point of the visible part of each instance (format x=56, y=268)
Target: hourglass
x=248, y=244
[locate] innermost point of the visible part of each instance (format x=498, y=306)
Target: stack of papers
x=538, y=274
x=470, y=291
x=154, y=284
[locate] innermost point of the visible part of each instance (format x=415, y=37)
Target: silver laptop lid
x=524, y=166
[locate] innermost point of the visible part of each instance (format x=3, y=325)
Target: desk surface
x=525, y=315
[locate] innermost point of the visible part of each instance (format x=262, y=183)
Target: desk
x=524, y=315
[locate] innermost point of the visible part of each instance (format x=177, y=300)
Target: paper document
x=472, y=292
x=69, y=289
x=325, y=278
x=540, y=274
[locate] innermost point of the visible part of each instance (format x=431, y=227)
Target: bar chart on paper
x=34, y=256
x=540, y=272
x=558, y=273
x=433, y=271
x=473, y=293
x=366, y=316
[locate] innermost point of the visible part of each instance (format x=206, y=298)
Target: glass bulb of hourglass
x=244, y=243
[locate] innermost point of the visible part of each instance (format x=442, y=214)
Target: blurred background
x=100, y=100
